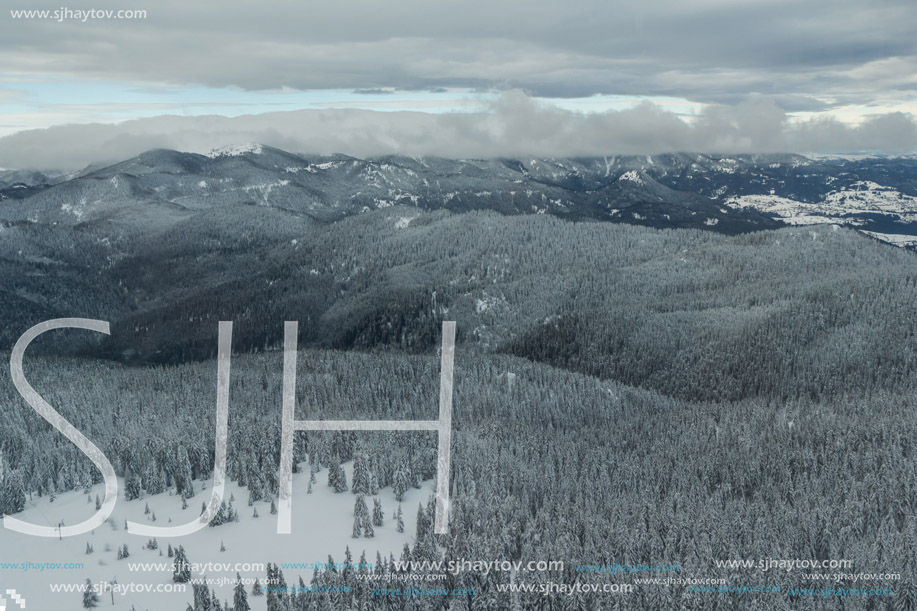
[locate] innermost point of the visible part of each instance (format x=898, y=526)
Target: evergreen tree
x=361, y=475
x=90, y=596
x=357, y=530
x=341, y=481
x=202, y=599
x=133, y=488
x=181, y=568
x=401, y=484
x=240, y=598
x=334, y=470
x=12, y=496
x=184, y=483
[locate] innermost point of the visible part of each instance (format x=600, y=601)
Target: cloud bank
x=515, y=125
x=813, y=54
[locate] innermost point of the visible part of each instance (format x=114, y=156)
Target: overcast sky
x=826, y=74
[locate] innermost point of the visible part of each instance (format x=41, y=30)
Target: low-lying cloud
x=515, y=125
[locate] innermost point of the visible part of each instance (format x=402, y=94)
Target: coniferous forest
x=623, y=394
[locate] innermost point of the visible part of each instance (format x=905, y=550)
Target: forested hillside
x=546, y=465
x=623, y=393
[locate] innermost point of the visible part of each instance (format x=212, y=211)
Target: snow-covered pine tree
x=90, y=596
x=360, y=484
x=133, y=487
x=357, y=530
x=181, y=568
x=401, y=483
x=239, y=597
x=184, y=484
x=341, y=480
x=334, y=473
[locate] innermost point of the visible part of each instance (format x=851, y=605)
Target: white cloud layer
x=515, y=125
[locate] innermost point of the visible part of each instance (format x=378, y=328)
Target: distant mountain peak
x=632, y=176
x=234, y=150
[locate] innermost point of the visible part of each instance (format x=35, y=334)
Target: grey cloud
x=515, y=125
x=892, y=132
x=709, y=50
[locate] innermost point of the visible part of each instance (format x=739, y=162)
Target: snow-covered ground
x=322, y=526
x=840, y=207
x=894, y=238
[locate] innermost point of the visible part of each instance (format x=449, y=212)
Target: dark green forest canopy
x=807, y=311
x=694, y=396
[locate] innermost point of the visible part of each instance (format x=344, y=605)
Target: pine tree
x=373, y=484
x=334, y=470
x=90, y=596
x=256, y=588
x=341, y=480
x=154, y=482
x=181, y=568
x=12, y=495
x=202, y=599
x=357, y=530
x=378, y=516
x=360, y=509
x=399, y=517
x=401, y=484
x=240, y=598
x=184, y=484
x=133, y=488
x=360, y=475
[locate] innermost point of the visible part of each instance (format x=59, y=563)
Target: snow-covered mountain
x=728, y=194
x=161, y=187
